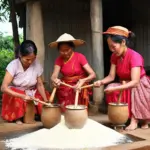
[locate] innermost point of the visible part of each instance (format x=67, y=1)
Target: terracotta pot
x=51, y=115
x=118, y=113
x=75, y=117
x=30, y=113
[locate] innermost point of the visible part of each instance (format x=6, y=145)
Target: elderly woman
x=74, y=68
x=129, y=66
x=22, y=81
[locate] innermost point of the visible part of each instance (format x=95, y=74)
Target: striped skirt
x=138, y=98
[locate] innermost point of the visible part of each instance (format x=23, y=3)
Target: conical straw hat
x=66, y=38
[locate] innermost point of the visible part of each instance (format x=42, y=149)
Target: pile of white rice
x=92, y=135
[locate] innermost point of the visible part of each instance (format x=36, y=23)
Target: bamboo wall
x=141, y=27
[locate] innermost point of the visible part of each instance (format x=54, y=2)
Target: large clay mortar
x=51, y=115
x=75, y=115
x=118, y=112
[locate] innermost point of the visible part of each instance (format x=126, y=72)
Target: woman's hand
x=34, y=99
x=109, y=90
x=46, y=100
x=112, y=89
x=79, y=84
x=98, y=83
x=54, y=78
x=27, y=98
x=56, y=82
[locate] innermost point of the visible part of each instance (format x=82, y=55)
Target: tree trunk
x=14, y=23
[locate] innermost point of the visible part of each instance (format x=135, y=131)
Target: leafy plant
x=6, y=42
x=5, y=57
x=4, y=10
x=8, y=12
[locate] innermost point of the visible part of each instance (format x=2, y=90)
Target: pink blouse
x=74, y=66
x=125, y=64
x=24, y=79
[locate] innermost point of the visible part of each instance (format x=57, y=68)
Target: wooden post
x=34, y=28
x=14, y=23
x=97, y=46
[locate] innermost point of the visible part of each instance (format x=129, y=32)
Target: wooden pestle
x=37, y=100
x=68, y=85
x=87, y=86
x=76, y=99
x=29, y=113
x=120, y=95
x=51, y=99
x=83, y=87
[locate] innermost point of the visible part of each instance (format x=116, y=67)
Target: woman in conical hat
x=75, y=70
x=129, y=66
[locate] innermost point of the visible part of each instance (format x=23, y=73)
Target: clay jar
x=75, y=117
x=29, y=113
x=51, y=115
x=118, y=113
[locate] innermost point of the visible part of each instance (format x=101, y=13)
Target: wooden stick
x=120, y=95
x=51, y=99
x=37, y=100
x=68, y=85
x=87, y=86
x=76, y=99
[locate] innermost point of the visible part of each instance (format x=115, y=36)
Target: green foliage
x=6, y=42
x=6, y=54
x=5, y=57
x=4, y=10
x=21, y=38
